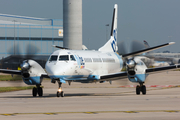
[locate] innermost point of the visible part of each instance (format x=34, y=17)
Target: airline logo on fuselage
x=80, y=62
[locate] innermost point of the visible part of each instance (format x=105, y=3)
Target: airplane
x=88, y=66
x=171, y=58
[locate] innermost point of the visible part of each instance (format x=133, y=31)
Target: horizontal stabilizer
x=59, y=47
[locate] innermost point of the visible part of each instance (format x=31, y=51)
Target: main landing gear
x=141, y=88
x=60, y=93
x=37, y=90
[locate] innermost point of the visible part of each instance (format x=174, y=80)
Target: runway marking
x=94, y=112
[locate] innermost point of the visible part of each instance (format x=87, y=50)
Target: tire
x=34, y=92
x=62, y=94
x=137, y=89
x=40, y=91
x=143, y=89
x=57, y=94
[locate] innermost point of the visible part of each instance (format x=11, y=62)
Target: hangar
x=21, y=35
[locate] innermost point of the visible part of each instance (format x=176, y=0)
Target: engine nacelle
x=137, y=73
x=176, y=61
x=32, y=72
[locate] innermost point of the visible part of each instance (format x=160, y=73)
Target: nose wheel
x=60, y=93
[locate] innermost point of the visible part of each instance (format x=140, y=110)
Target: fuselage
x=82, y=64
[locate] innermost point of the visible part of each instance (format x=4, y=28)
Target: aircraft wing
x=161, y=69
x=123, y=75
x=115, y=76
x=17, y=72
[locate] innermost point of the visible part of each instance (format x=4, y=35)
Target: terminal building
x=28, y=38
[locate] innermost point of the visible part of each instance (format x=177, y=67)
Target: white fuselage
x=77, y=64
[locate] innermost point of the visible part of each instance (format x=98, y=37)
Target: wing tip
x=170, y=43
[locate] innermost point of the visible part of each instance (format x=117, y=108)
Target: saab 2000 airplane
x=87, y=66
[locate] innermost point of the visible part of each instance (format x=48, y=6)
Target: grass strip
x=8, y=89
x=10, y=78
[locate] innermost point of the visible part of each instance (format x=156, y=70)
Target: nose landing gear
x=60, y=93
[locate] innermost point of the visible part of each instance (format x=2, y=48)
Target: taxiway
x=96, y=101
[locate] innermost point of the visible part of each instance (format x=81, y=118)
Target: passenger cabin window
x=64, y=58
x=87, y=60
x=53, y=58
x=72, y=58
x=140, y=63
x=96, y=59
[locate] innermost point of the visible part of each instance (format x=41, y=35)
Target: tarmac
x=96, y=101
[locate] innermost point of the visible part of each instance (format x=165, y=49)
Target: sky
x=156, y=21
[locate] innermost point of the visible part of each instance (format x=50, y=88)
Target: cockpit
x=62, y=58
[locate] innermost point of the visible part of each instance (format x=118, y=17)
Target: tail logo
x=113, y=44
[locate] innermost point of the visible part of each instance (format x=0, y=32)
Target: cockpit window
x=64, y=58
x=72, y=58
x=53, y=58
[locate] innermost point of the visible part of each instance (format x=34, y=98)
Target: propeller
x=121, y=48
x=130, y=63
x=21, y=60
x=135, y=46
x=18, y=57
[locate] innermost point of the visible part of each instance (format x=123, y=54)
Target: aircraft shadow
x=67, y=95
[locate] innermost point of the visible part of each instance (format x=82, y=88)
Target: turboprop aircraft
x=87, y=66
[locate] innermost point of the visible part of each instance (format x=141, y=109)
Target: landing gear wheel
x=34, y=92
x=138, y=89
x=62, y=94
x=143, y=88
x=57, y=94
x=40, y=91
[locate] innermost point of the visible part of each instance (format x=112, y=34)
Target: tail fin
x=146, y=44
x=111, y=45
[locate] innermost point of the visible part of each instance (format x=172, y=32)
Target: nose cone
x=130, y=63
x=54, y=69
x=25, y=65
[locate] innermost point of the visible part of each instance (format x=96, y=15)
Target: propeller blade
x=121, y=48
x=31, y=50
x=136, y=46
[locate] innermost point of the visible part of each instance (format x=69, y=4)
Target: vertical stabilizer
x=146, y=44
x=111, y=45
